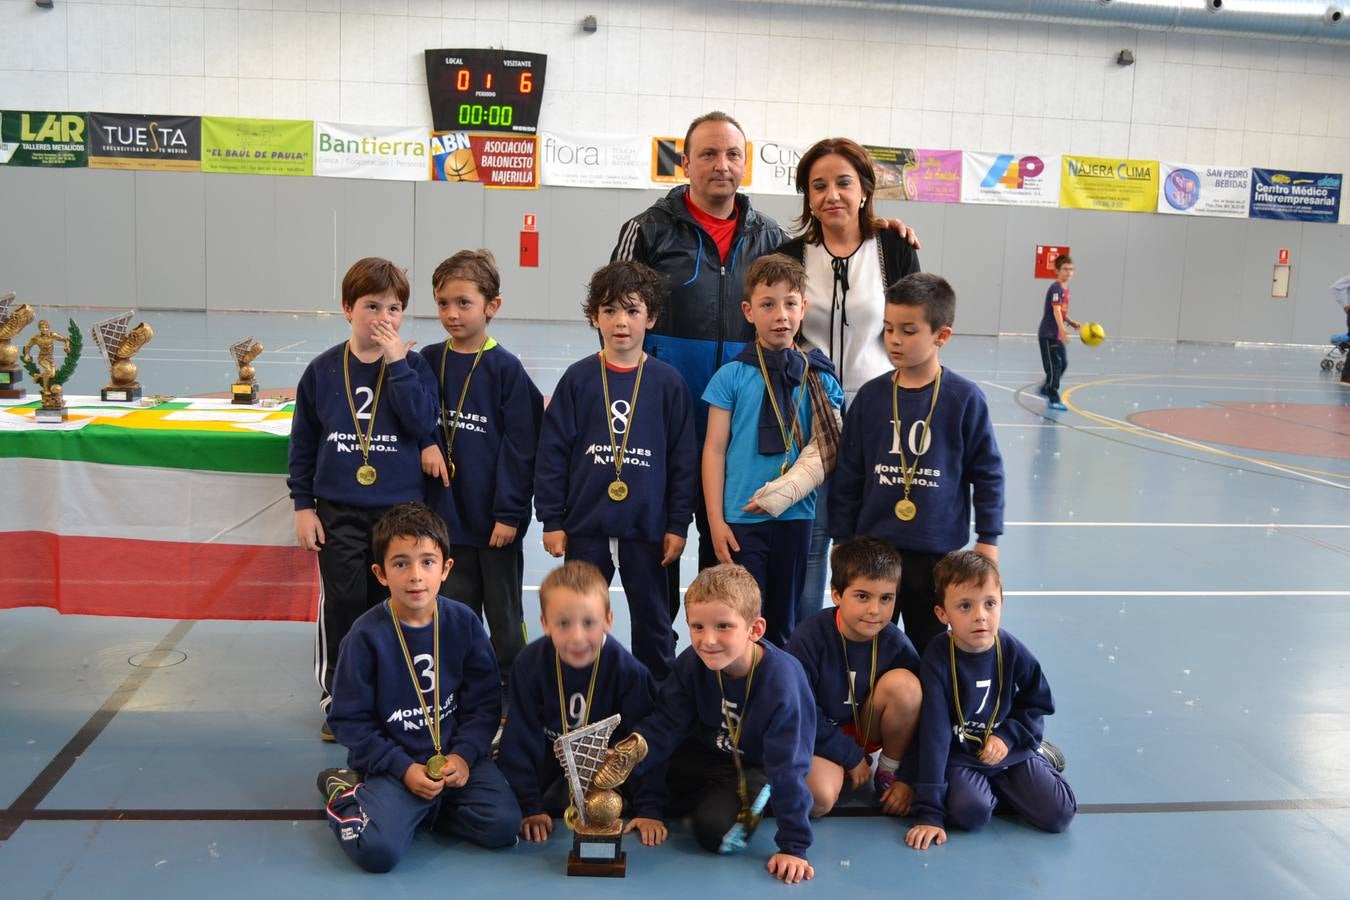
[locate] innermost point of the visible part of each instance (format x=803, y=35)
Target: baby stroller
x=1336, y=353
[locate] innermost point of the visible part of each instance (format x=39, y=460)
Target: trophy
x=13, y=319
x=593, y=772
x=245, y=391
x=44, y=369
x=118, y=344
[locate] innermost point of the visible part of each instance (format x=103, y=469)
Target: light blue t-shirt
x=739, y=387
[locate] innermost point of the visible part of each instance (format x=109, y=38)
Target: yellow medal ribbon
x=435, y=765
x=792, y=437
x=570, y=815
x=459, y=407
x=365, y=476
x=905, y=508
x=617, y=489
x=956, y=695
x=858, y=730
x=734, y=733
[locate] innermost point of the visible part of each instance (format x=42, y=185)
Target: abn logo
x=1004, y=172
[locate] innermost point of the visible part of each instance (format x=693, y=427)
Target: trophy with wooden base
x=244, y=392
x=13, y=319
x=593, y=772
x=119, y=343
x=44, y=371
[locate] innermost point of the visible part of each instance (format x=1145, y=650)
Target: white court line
x=535, y=589
x=1072, y=524
x=1053, y=425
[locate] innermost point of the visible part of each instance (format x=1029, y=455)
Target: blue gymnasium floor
x=1187, y=599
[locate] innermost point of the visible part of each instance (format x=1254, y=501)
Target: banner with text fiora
x=257, y=146
x=1298, y=196
x=574, y=159
x=1010, y=179
x=159, y=143
x=47, y=139
x=371, y=151
x=509, y=161
x=1113, y=185
x=1191, y=190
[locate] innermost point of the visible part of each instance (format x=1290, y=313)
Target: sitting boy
x=575, y=675
x=736, y=715
x=979, y=748
x=416, y=701
x=863, y=672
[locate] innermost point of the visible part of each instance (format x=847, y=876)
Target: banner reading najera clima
x=371, y=151
x=46, y=139
x=162, y=143
x=574, y=159
x=1115, y=185
x=1010, y=179
x=257, y=146
x=1299, y=196
x=1192, y=190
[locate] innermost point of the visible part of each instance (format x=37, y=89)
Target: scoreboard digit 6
x=485, y=90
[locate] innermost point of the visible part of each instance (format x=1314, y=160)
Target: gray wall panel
x=100, y=237
x=1258, y=316
x=241, y=259
x=170, y=231
x=577, y=217
x=1210, y=279
x=1023, y=292
x=446, y=218
x=376, y=219
x=1098, y=243
x=33, y=244
x=1155, y=249
x=308, y=243
x=972, y=264
x=1324, y=257
x=502, y=222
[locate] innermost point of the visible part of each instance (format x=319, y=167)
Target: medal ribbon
x=791, y=437
x=590, y=691
x=735, y=733
x=956, y=694
x=363, y=440
x=620, y=451
x=858, y=729
x=433, y=723
x=907, y=471
x=459, y=407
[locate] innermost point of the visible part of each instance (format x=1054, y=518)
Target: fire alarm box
x=1046, y=254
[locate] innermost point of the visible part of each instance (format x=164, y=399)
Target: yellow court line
x=1179, y=442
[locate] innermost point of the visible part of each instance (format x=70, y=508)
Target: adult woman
x=850, y=256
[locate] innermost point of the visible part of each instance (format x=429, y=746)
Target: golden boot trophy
x=118, y=344
x=13, y=319
x=245, y=391
x=44, y=370
x=593, y=772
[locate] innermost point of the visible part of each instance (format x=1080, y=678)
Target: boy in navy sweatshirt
x=978, y=747
x=364, y=412
x=734, y=719
x=759, y=420
x=489, y=415
x=575, y=675
x=615, y=472
x=416, y=700
x=863, y=672
x=917, y=448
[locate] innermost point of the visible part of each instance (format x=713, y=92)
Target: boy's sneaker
x=326, y=733
x=883, y=780
x=1057, y=404
x=335, y=781
x=1053, y=755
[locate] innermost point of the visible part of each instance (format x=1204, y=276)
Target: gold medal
x=365, y=475
x=571, y=817
x=905, y=510
x=436, y=767
x=618, y=491
x=459, y=407
x=791, y=435
x=450, y=466
x=783, y=469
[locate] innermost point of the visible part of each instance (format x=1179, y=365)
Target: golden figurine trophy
x=44, y=370
x=118, y=344
x=593, y=772
x=13, y=319
x=245, y=391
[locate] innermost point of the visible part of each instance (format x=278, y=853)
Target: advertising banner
x=257, y=146
x=936, y=178
x=47, y=139
x=889, y=165
x=776, y=166
x=1010, y=179
x=493, y=160
x=666, y=169
x=1299, y=196
x=1114, y=185
x=573, y=159
x=371, y=151
x=1190, y=190
x=161, y=143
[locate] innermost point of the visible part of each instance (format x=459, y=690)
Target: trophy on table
x=593, y=772
x=13, y=319
x=44, y=370
x=245, y=391
x=118, y=343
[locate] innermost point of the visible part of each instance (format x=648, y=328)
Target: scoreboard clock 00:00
x=485, y=90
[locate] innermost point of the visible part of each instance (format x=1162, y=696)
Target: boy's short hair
x=478, y=267
x=964, y=567
x=863, y=557
x=1063, y=260
x=373, y=275
x=715, y=116
x=772, y=268
x=577, y=576
x=414, y=520
x=728, y=584
x=930, y=291
x=618, y=281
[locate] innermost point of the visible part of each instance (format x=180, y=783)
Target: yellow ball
x=1092, y=333
x=603, y=807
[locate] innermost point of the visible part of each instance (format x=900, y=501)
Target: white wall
x=787, y=72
